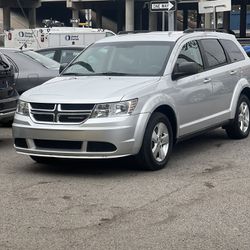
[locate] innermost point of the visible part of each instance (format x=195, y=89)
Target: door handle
x=207, y=80
x=233, y=72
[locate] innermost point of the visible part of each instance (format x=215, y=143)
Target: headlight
x=22, y=108
x=114, y=109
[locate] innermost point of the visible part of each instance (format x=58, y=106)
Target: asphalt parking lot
x=201, y=200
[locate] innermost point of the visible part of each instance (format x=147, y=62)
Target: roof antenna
x=23, y=46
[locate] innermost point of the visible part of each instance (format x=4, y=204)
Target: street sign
x=160, y=6
x=210, y=6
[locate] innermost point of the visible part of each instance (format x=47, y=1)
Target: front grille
x=44, y=117
x=54, y=144
x=77, y=106
x=72, y=118
x=60, y=113
x=8, y=106
x=3, y=84
x=42, y=106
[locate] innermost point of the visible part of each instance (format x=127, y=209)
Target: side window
x=232, y=50
x=214, y=52
x=68, y=55
x=48, y=53
x=109, y=34
x=190, y=52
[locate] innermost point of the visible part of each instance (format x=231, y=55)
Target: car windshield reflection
x=122, y=59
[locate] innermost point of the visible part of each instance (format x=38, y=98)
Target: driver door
x=193, y=92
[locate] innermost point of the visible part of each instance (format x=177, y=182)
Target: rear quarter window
x=214, y=53
x=232, y=50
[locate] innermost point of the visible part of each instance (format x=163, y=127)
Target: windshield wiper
x=111, y=73
x=72, y=74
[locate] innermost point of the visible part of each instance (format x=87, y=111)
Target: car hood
x=87, y=89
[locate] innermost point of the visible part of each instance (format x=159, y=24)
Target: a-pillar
x=129, y=15
x=6, y=18
x=32, y=18
x=152, y=21
x=75, y=15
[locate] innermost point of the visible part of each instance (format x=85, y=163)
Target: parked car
x=137, y=94
x=247, y=49
x=31, y=69
x=8, y=93
x=61, y=54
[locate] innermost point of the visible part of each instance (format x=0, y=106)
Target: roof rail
x=210, y=30
x=132, y=32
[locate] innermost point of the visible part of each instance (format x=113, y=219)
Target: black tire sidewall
x=146, y=152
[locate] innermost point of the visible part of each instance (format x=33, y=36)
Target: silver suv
x=138, y=95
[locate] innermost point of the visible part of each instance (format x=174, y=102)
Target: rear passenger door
x=223, y=73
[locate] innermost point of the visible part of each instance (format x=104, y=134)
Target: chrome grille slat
x=40, y=113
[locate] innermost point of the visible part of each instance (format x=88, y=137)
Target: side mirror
x=185, y=69
x=62, y=67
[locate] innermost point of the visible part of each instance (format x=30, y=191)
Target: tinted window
x=190, y=53
x=109, y=34
x=233, y=51
x=68, y=55
x=214, y=52
x=48, y=53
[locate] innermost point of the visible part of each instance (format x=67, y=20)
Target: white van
x=51, y=37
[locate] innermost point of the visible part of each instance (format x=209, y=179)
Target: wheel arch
x=246, y=92
x=169, y=112
x=242, y=87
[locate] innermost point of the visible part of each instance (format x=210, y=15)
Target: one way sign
x=159, y=6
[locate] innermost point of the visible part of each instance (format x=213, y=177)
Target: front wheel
x=239, y=128
x=157, y=143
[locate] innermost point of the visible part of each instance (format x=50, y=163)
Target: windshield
x=122, y=58
x=46, y=62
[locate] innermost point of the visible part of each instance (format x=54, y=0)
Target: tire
x=239, y=128
x=43, y=160
x=155, y=151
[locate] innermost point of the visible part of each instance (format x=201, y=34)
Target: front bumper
x=124, y=133
x=8, y=108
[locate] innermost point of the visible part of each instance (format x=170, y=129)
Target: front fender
x=148, y=108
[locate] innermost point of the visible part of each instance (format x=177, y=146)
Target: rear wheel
x=157, y=143
x=239, y=128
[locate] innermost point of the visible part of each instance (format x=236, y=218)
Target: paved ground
x=200, y=201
